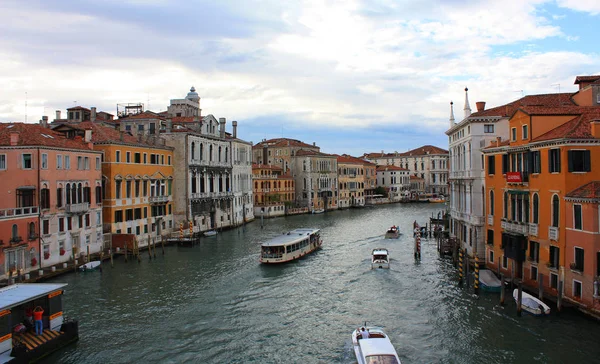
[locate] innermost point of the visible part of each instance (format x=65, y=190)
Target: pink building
x=50, y=200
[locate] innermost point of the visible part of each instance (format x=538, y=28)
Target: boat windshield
x=272, y=252
x=381, y=359
x=380, y=257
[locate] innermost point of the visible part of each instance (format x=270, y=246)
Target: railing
x=553, y=233
x=15, y=239
x=264, y=176
x=207, y=163
x=515, y=227
x=75, y=208
x=533, y=229
x=19, y=211
x=158, y=199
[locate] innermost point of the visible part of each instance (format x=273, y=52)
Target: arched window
x=15, y=232
x=226, y=152
x=219, y=154
x=79, y=193
x=193, y=150
x=555, y=210
x=210, y=152
x=201, y=150
x=31, y=230
x=536, y=207
x=505, y=205
x=68, y=194
x=492, y=203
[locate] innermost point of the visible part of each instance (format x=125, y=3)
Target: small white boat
x=380, y=258
x=489, y=281
x=531, y=304
x=318, y=211
x=210, y=233
x=90, y=265
x=393, y=233
x=376, y=348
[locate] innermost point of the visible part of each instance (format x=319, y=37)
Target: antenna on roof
x=25, y=106
x=148, y=108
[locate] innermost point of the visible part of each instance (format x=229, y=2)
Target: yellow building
x=137, y=175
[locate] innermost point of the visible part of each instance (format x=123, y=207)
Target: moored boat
x=380, y=258
x=18, y=340
x=489, y=282
x=290, y=246
x=373, y=347
x=210, y=233
x=437, y=199
x=318, y=211
x=531, y=304
x=90, y=265
x=393, y=232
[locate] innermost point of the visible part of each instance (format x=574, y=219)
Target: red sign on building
x=513, y=177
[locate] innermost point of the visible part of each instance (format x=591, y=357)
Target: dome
x=193, y=95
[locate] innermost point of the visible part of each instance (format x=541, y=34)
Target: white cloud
x=588, y=6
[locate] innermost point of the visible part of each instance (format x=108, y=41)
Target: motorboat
x=393, y=232
x=210, y=233
x=376, y=348
x=531, y=304
x=437, y=199
x=290, y=246
x=380, y=258
x=318, y=211
x=489, y=282
x=90, y=265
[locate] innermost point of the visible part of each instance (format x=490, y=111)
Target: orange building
x=51, y=206
x=550, y=152
x=272, y=190
x=352, y=177
x=137, y=177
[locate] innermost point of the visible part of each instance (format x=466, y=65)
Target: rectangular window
x=98, y=163
x=118, y=156
x=61, y=224
x=579, y=258
x=525, y=132
x=137, y=230
x=536, y=162
x=145, y=158
x=505, y=163
x=88, y=221
x=44, y=161
x=98, y=218
x=141, y=127
x=59, y=160
x=128, y=189
x=152, y=159
x=554, y=255
x=504, y=262
x=579, y=161
x=129, y=215
x=45, y=227
x=577, y=223
x=513, y=134
x=488, y=128
x=137, y=188
x=534, y=273
x=138, y=213
x=491, y=164
x=146, y=229
x=117, y=189
x=534, y=251
x=169, y=160
x=490, y=237
x=554, y=280
x=491, y=258
x=67, y=162
x=128, y=157
x=145, y=212
x=162, y=159
x=145, y=189
x=26, y=161
x=86, y=163
x=69, y=223
x=137, y=158
x=119, y=216
x=554, y=160
x=576, y=289
x=2, y=162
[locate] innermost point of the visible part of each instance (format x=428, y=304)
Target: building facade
x=315, y=176
x=273, y=190
x=395, y=180
x=279, y=151
x=241, y=170
x=352, y=178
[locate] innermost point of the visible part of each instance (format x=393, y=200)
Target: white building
x=315, y=178
x=395, y=180
x=241, y=171
x=467, y=177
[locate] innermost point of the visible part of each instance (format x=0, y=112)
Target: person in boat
x=364, y=333
x=37, y=316
x=29, y=318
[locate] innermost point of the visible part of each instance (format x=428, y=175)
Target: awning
x=518, y=192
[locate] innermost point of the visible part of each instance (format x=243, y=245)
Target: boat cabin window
x=381, y=359
x=380, y=257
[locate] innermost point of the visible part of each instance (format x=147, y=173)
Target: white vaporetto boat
x=290, y=246
x=376, y=348
x=380, y=259
x=531, y=304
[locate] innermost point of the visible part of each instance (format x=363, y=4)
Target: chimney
x=14, y=138
x=44, y=121
x=498, y=141
x=234, y=124
x=222, y=127
x=88, y=136
x=93, y=117
x=169, y=125
x=480, y=106
x=595, y=128
x=314, y=144
x=57, y=114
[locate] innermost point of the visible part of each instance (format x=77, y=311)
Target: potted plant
x=46, y=255
x=62, y=251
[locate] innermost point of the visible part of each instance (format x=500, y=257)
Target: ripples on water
x=214, y=303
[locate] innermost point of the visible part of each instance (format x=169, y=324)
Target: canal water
x=214, y=303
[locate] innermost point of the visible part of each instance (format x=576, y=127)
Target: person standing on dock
x=37, y=316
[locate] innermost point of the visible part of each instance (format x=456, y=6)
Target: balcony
x=477, y=220
x=18, y=212
x=533, y=229
x=158, y=199
x=205, y=163
x=515, y=227
x=490, y=219
x=77, y=208
x=553, y=233
x=15, y=240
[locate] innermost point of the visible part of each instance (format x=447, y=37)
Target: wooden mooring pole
x=519, y=297
x=540, y=286
x=476, y=283
x=460, y=267
x=559, y=297
x=502, y=290
x=162, y=243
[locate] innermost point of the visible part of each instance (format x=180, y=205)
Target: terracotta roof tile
x=142, y=115
x=305, y=152
x=547, y=100
x=266, y=166
x=185, y=119
x=390, y=168
x=426, y=149
x=577, y=128
x=590, y=190
x=580, y=79
x=37, y=135
x=283, y=142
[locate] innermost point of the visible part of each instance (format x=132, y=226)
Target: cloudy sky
x=352, y=76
